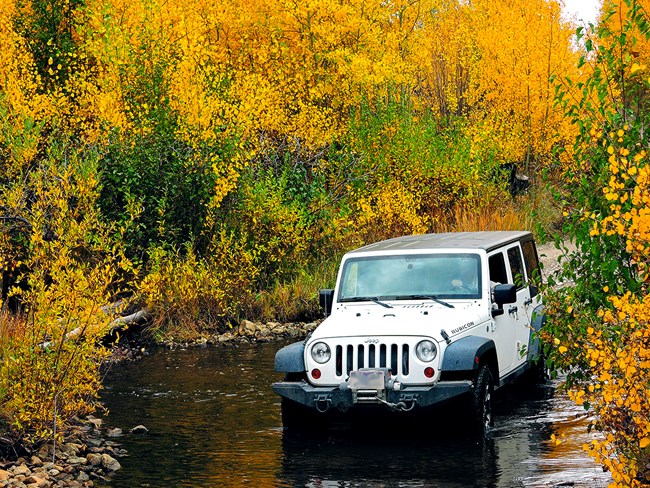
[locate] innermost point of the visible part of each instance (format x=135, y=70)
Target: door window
x=497, y=266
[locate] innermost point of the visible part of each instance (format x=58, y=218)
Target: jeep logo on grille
x=371, y=341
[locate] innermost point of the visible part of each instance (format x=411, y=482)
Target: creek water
x=213, y=420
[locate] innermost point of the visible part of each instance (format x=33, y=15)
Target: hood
x=422, y=319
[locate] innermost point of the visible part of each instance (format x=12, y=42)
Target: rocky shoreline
x=83, y=458
x=249, y=332
x=89, y=451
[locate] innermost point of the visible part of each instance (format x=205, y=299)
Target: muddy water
x=214, y=421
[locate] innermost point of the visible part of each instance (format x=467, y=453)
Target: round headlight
x=426, y=351
x=320, y=352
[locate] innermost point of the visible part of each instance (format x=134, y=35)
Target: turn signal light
x=315, y=373
x=429, y=372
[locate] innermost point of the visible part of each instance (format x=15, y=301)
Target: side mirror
x=326, y=297
x=505, y=294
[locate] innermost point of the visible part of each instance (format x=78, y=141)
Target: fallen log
x=140, y=317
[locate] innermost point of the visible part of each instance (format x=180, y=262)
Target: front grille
x=394, y=357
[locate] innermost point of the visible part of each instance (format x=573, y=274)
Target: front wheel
x=482, y=400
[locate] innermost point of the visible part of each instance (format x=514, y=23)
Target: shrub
x=68, y=267
x=189, y=295
x=597, y=328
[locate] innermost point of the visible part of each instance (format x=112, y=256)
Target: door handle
x=512, y=310
x=528, y=301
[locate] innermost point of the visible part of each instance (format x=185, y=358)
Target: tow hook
x=323, y=403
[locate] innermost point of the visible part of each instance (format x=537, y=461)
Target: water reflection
x=214, y=421
x=388, y=460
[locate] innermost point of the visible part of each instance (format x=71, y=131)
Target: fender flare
x=465, y=354
x=291, y=358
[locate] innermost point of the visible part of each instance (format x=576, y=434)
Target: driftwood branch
x=138, y=318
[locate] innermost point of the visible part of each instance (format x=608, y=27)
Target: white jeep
x=416, y=321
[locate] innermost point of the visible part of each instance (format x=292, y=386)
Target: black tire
x=540, y=371
x=482, y=400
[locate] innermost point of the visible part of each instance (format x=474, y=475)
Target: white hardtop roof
x=486, y=240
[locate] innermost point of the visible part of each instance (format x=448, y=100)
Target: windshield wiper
x=427, y=297
x=367, y=299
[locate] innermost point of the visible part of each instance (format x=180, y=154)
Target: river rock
x=36, y=461
x=139, y=429
x=227, y=337
x=70, y=449
x=295, y=333
x=4, y=475
x=77, y=461
x=94, y=459
x=275, y=327
x=16, y=483
x=116, y=432
x=262, y=333
x=34, y=480
x=93, y=442
x=110, y=463
x=247, y=328
x=21, y=469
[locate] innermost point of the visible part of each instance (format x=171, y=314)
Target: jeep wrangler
x=416, y=321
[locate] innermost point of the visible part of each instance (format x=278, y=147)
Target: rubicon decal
x=462, y=328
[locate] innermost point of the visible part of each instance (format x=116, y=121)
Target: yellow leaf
x=643, y=443
x=637, y=67
x=563, y=349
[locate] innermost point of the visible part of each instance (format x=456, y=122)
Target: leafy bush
x=189, y=295
x=597, y=329
x=65, y=267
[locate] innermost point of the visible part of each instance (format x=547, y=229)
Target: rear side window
x=517, y=266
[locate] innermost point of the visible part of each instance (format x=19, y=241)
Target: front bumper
x=323, y=398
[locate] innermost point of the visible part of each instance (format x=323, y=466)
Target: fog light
x=429, y=372
x=315, y=373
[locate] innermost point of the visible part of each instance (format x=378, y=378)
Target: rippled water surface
x=213, y=420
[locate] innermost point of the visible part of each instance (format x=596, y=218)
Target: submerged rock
x=139, y=429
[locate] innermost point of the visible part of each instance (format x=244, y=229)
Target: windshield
x=436, y=276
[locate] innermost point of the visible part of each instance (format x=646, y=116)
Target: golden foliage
x=618, y=392
x=49, y=354
x=190, y=295
x=599, y=325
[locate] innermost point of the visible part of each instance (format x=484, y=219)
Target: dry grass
x=296, y=299
x=12, y=329
x=535, y=212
